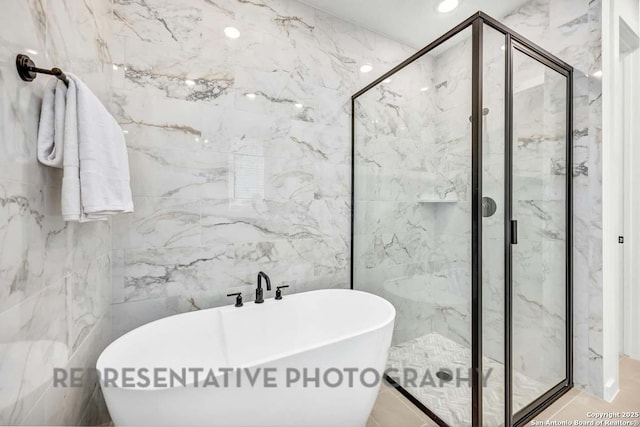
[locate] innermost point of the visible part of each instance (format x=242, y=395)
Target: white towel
x=71, y=202
x=51, y=128
x=98, y=169
x=96, y=166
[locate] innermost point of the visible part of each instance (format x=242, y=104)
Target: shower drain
x=444, y=375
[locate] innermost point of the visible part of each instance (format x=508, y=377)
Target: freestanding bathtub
x=293, y=349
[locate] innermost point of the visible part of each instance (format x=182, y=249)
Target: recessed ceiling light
x=31, y=51
x=424, y=89
x=298, y=105
x=597, y=73
x=446, y=6
x=366, y=68
x=250, y=95
x=386, y=81
x=232, y=32
x=190, y=83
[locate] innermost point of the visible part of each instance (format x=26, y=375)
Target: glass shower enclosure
x=462, y=219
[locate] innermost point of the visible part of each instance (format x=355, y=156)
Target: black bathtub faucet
x=259, y=291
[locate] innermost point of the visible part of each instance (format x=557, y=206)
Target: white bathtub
x=321, y=329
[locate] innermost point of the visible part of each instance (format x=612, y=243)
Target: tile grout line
x=411, y=407
x=564, y=406
x=375, y=422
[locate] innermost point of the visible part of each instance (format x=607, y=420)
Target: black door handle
x=514, y=232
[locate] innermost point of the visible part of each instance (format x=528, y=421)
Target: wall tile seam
x=309, y=161
x=44, y=395
x=36, y=295
x=46, y=392
x=39, y=404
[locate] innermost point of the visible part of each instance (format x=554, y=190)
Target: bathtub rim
x=389, y=319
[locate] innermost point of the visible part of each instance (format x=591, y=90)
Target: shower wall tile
x=240, y=155
x=54, y=276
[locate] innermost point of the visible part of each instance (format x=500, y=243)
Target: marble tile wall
x=55, y=288
x=239, y=149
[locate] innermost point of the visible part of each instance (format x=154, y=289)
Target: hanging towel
x=51, y=128
x=71, y=202
x=96, y=166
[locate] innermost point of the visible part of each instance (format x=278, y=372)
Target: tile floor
x=432, y=352
x=576, y=403
x=394, y=410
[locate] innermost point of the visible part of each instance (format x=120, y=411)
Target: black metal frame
x=513, y=41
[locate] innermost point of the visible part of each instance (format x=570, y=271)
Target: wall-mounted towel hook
x=27, y=70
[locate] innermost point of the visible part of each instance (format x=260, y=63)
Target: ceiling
x=412, y=22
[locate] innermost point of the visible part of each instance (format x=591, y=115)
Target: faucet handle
x=279, y=292
x=238, y=296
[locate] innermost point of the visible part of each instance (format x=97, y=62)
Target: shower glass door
x=539, y=204
x=412, y=230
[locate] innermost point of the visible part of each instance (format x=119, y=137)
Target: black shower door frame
x=513, y=41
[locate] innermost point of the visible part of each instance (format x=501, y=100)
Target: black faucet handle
x=279, y=292
x=238, y=296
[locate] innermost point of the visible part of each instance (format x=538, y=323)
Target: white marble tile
x=67, y=405
x=131, y=314
x=262, y=220
x=54, y=276
x=178, y=173
x=161, y=273
x=23, y=242
x=37, y=416
x=33, y=340
x=159, y=222
x=271, y=169
x=137, y=107
x=96, y=412
x=89, y=296
x=147, y=69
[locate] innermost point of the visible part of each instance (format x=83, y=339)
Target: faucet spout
x=259, y=291
x=266, y=278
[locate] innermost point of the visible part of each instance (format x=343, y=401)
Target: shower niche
x=462, y=220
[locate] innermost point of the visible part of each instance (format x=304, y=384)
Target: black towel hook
x=27, y=70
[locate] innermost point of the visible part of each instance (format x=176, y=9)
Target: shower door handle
x=514, y=232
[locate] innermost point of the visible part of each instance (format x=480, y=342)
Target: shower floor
x=433, y=352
